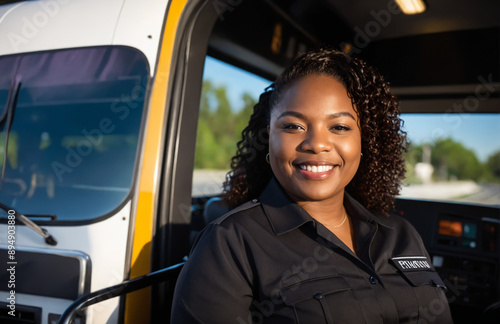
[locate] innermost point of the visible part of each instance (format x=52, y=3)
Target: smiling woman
x=303, y=140
x=312, y=240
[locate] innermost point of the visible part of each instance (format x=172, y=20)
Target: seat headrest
x=214, y=208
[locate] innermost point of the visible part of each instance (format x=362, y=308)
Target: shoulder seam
x=245, y=206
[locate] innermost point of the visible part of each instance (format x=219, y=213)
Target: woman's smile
x=315, y=170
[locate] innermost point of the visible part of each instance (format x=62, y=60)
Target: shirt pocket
x=322, y=300
x=429, y=292
x=423, y=278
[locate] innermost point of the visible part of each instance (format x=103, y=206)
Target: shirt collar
x=285, y=215
x=281, y=211
x=355, y=209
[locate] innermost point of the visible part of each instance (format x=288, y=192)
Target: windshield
x=453, y=157
x=72, y=130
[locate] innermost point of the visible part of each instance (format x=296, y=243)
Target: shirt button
x=435, y=284
x=318, y=295
x=373, y=280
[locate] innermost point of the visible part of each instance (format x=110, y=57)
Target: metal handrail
x=118, y=290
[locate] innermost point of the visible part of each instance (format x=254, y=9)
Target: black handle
x=118, y=290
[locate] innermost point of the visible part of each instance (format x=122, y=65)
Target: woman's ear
x=268, y=129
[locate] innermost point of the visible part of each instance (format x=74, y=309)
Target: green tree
x=219, y=127
x=243, y=116
x=452, y=160
x=412, y=156
x=493, y=167
x=223, y=121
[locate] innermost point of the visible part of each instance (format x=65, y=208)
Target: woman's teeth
x=316, y=168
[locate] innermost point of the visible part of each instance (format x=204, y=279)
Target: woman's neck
x=328, y=212
x=333, y=215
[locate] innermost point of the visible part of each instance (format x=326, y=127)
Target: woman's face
x=314, y=139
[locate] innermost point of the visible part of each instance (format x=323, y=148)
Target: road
x=209, y=183
x=463, y=191
x=488, y=194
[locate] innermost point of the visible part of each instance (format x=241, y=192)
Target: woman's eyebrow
x=341, y=114
x=301, y=116
x=291, y=113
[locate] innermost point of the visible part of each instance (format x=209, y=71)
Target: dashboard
x=464, y=244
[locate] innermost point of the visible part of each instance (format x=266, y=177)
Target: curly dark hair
x=379, y=176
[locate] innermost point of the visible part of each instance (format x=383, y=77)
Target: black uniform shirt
x=270, y=262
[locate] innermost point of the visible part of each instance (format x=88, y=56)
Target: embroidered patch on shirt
x=411, y=263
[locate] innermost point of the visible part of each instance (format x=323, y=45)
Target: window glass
x=7, y=66
x=453, y=157
x=227, y=100
x=73, y=130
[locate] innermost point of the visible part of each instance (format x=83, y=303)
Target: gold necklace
x=343, y=221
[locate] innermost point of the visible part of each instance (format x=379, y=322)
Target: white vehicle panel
x=107, y=258
x=140, y=25
x=54, y=24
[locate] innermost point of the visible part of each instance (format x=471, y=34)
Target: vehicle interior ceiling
x=431, y=61
x=438, y=54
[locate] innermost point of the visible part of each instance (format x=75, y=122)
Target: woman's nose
x=317, y=141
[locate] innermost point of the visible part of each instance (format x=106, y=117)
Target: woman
x=312, y=240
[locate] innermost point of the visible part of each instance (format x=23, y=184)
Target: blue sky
x=478, y=132
x=237, y=81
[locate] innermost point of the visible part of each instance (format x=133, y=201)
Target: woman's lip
x=317, y=163
x=315, y=175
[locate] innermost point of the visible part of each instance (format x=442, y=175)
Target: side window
x=453, y=157
x=226, y=104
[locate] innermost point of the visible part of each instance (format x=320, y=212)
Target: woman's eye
x=292, y=127
x=340, y=128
